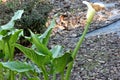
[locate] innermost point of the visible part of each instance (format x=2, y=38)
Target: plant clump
x=35, y=16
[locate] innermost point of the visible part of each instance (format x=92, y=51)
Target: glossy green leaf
x=36, y=57
x=6, y=51
x=17, y=66
x=15, y=35
x=1, y=72
x=6, y=38
x=5, y=35
x=17, y=15
x=4, y=32
x=2, y=54
x=8, y=41
x=61, y=62
x=13, y=39
x=37, y=70
x=1, y=44
x=46, y=35
x=40, y=47
x=11, y=23
x=1, y=37
x=57, y=51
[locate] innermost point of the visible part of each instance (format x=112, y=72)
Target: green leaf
x=61, y=62
x=3, y=32
x=57, y=51
x=5, y=35
x=17, y=15
x=7, y=41
x=13, y=39
x=1, y=54
x=15, y=35
x=1, y=72
x=1, y=44
x=37, y=70
x=17, y=66
x=6, y=38
x=34, y=78
x=44, y=38
x=36, y=57
x=11, y=23
x=40, y=47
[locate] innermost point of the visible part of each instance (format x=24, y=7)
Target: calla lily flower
x=92, y=9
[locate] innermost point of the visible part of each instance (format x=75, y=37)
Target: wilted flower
x=92, y=9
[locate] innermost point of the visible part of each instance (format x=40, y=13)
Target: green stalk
x=76, y=50
x=2, y=74
x=80, y=41
x=10, y=52
x=54, y=76
x=69, y=70
x=27, y=75
x=11, y=75
x=62, y=75
x=11, y=59
x=44, y=72
x=20, y=76
x=4, y=52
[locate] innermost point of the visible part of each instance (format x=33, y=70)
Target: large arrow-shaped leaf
x=45, y=36
x=61, y=62
x=15, y=35
x=40, y=47
x=57, y=51
x=37, y=58
x=17, y=66
x=11, y=23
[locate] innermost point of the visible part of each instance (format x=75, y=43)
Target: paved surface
x=112, y=28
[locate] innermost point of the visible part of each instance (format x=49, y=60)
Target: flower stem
x=54, y=76
x=44, y=72
x=11, y=75
x=62, y=75
x=76, y=50
x=80, y=41
x=20, y=77
x=10, y=52
x=67, y=77
x=11, y=59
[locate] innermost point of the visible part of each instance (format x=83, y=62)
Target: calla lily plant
x=92, y=9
